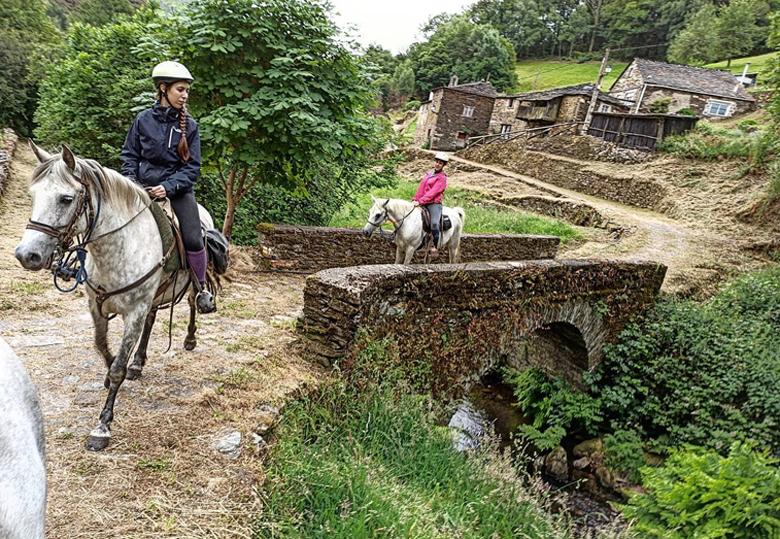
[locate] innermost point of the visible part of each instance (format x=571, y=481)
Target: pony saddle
x=444, y=224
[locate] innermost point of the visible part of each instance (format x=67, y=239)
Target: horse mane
x=115, y=189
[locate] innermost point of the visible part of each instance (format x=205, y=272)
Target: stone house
x=454, y=113
x=559, y=105
x=706, y=92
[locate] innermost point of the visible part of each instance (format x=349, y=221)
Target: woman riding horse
x=429, y=194
x=162, y=153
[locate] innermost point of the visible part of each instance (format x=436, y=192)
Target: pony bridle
x=65, y=234
x=386, y=216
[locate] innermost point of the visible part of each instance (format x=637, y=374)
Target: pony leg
x=409, y=255
x=399, y=254
x=190, y=342
x=139, y=360
x=101, y=434
x=101, y=334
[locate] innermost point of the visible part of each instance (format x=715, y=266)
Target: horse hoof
x=133, y=373
x=97, y=443
x=190, y=344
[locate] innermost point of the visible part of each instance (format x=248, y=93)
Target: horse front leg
x=409, y=255
x=190, y=342
x=399, y=254
x=101, y=334
x=135, y=369
x=101, y=434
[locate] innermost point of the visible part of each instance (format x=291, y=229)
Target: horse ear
x=69, y=158
x=373, y=198
x=40, y=154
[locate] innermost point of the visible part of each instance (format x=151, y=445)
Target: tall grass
x=535, y=75
x=366, y=458
x=480, y=218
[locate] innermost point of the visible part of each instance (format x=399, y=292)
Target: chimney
x=453, y=80
x=744, y=71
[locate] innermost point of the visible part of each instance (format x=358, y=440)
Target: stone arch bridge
x=459, y=321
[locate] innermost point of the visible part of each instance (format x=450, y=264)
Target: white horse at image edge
x=22, y=453
x=406, y=219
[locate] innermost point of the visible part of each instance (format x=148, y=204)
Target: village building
x=702, y=91
x=454, y=113
x=557, y=106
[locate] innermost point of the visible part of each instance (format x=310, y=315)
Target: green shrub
x=660, y=105
x=623, y=452
x=687, y=111
x=705, y=374
x=412, y=105
x=554, y=407
x=699, y=494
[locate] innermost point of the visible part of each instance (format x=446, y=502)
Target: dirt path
x=697, y=258
x=160, y=477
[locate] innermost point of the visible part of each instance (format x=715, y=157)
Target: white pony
x=22, y=458
x=110, y=218
x=407, y=222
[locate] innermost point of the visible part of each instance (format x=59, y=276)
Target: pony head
x=58, y=199
x=377, y=215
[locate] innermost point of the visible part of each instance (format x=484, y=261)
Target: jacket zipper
x=170, y=137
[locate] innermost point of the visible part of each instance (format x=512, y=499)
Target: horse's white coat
x=409, y=233
x=22, y=459
x=129, y=250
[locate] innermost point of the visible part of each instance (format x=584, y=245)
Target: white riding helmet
x=169, y=72
x=441, y=156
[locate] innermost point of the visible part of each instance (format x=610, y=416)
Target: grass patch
x=480, y=218
x=236, y=379
x=761, y=64
x=535, y=75
x=245, y=343
x=153, y=465
x=375, y=464
x=28, y=288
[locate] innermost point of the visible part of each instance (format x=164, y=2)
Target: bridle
x=387, y=217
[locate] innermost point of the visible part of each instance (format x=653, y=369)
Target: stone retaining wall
x=305, y=249
x=458, y=321
x=7, y=146
x=565, y=209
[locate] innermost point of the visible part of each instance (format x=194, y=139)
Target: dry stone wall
x=458, y=321
x=8, y=141
x=305, y=249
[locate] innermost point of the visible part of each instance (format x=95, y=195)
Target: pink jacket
x=431, y=188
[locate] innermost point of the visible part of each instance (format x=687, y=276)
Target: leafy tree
x=698, y=42
x=773, y=80
x=471, y=51
x=380, y=65
x=90, y=97
x=403, y=81
x=275, y=93
x=738, y=30
x=520, y=21
x=27, y=35
x=101, y=12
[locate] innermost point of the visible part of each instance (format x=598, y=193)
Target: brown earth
x=160, y=477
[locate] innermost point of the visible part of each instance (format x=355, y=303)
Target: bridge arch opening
x=558, y=348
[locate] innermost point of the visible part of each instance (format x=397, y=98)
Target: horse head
x=59, y=199
x=377, y=215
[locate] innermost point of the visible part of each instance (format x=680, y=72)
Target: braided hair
x=183, y=149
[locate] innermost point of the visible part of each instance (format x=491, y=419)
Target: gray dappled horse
x=407, y=223
x=78, y=198
x=22, y=457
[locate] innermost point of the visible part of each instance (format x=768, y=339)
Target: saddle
x=444, y=224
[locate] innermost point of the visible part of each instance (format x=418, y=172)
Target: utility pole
x=594, y=96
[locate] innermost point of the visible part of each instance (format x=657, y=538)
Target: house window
x=468, y=111
x=630, y=95
x=506, y=129
x=511, y=103
x=717, y=108
x=605, y=108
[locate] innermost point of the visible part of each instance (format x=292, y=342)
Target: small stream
x=491, y=402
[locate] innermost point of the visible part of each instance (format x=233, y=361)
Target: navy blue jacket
x=149, y=154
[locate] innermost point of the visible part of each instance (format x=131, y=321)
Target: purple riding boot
x=198, y=261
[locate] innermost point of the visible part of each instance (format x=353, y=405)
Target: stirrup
x=205, y=302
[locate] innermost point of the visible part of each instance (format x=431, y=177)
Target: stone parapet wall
x=8, y=141
x=305, y=249
x=459, y=321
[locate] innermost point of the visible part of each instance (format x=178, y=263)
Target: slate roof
x=579, y=89
x=483, y=88
x=696, y=80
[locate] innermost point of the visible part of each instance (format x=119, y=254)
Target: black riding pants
x=186, y=210
x=435, y=211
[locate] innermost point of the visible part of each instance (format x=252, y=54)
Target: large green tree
x=90, y=97
x=471, y=51
x=698, y=42
x=276, y=93
x=101, y=12
x=27, y=36
x=520, y=21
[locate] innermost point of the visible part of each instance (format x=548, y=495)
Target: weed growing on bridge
x=365, y=457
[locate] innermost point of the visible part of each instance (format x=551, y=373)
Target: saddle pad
x=166, y=234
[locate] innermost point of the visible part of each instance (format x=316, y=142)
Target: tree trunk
x=728, y=63
x=596, y=8
x=230, y=215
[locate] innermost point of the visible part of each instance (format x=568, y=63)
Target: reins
x=387, y=217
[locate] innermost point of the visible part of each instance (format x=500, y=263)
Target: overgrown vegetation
x=699, y=493
x=480, y=218
x=703, y=374
x=365, y=457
